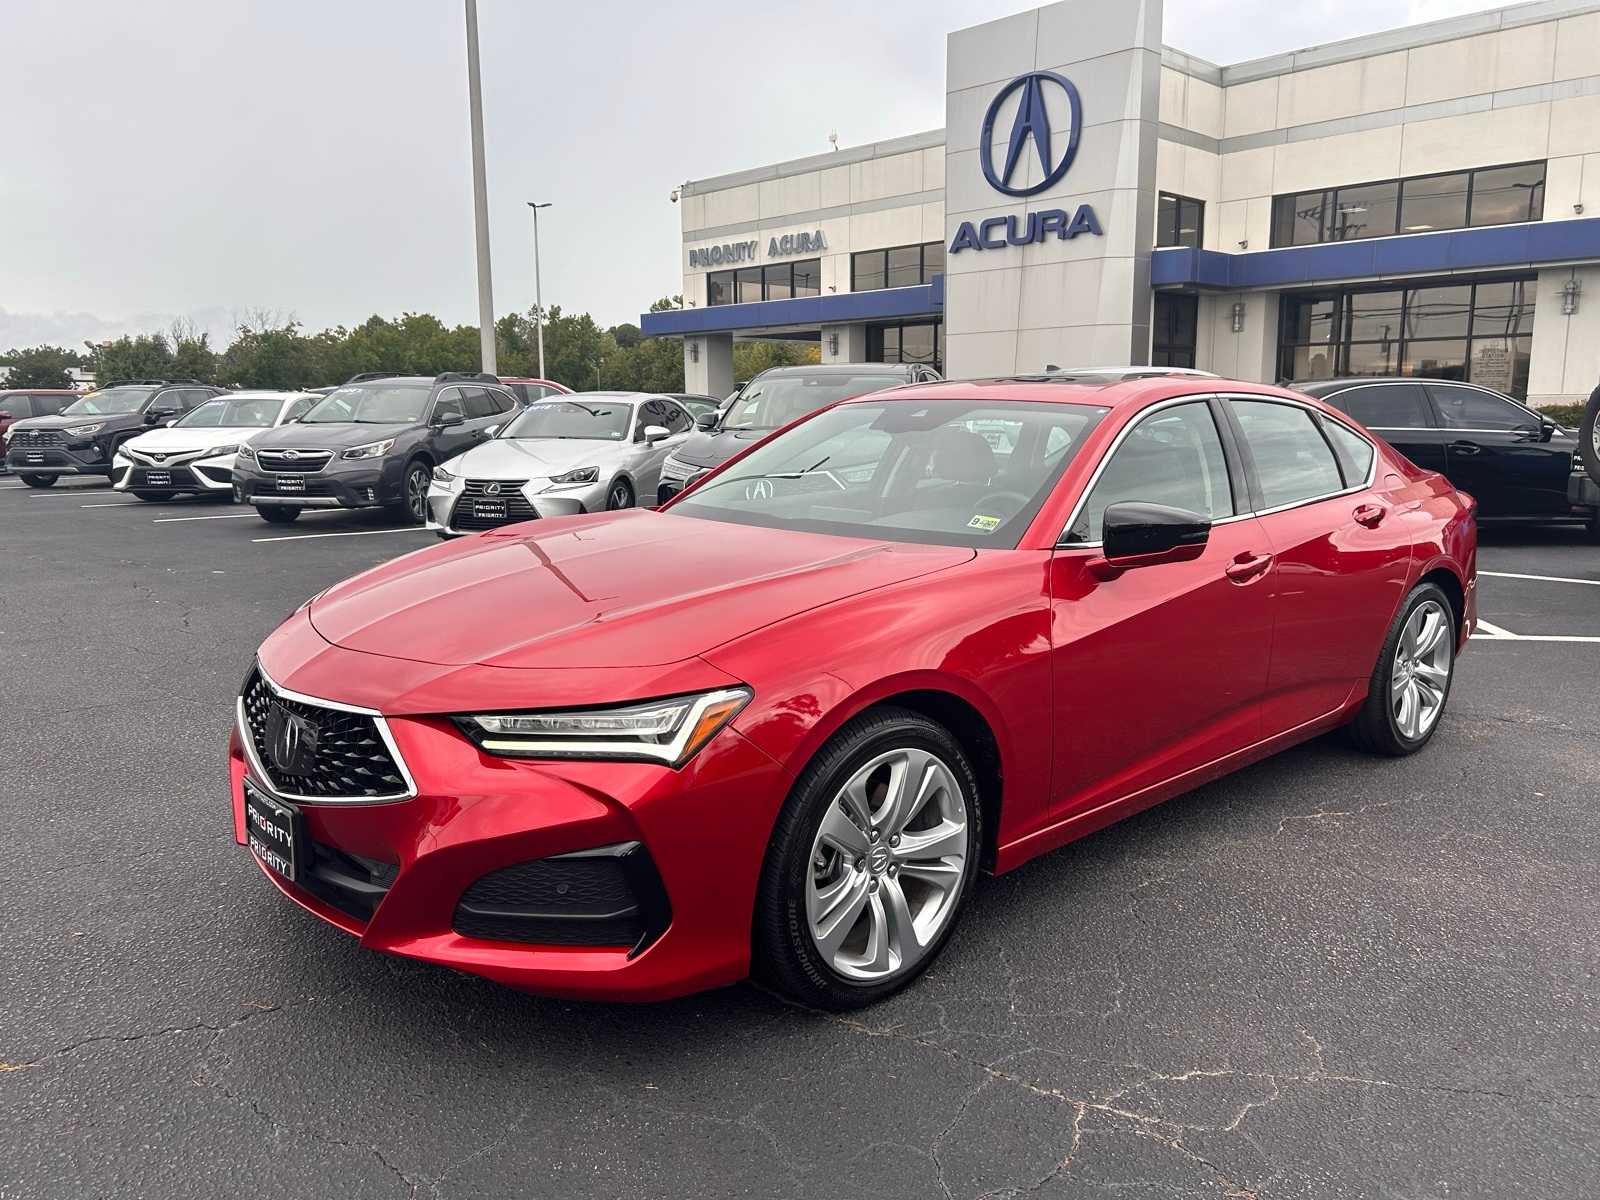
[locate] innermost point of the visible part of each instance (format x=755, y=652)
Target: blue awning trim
x=1541, y=243
x=924, y=300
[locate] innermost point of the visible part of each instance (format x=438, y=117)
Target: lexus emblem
x=758, y=489
x=291, y=741
x=291, y=455
x=492, y=489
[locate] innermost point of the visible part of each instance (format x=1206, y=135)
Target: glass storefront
x=1480, y=332
x=1488, y=196
x=777, y=281
x=1173, y=329
x=911, y=342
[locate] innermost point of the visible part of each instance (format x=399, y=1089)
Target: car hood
x=332, y=435
x=181, y=441
x=623, y=589
x=60, y=422
x=535, y=458
x=715, y=447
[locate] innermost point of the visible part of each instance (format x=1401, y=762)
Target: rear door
x=1341, y=553
x=1400, y=414
x=1498, y=453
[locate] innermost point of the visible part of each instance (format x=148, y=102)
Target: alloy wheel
x=1421, y=675
x=417, y=493
x=620, y=496
x=887, y=865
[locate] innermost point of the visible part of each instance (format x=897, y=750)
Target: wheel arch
x=1444, y=575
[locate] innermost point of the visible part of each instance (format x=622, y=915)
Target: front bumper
x=203, y=475
x=58, y=460
x=453, y=512
x=353, y=484
x=421, y=862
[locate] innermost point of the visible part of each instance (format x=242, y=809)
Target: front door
x=1159, y=670
x=1498, y=453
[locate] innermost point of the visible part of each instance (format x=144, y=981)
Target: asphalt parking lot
x=1326, y=976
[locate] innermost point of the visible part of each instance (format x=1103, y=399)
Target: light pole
x=538, y=288
x=480, y=197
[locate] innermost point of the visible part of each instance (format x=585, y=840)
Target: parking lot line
x=217, y=517
x=113, y=504
x=71, y=492
x=300, y=537
x=1542, y=578
x=1490, y=632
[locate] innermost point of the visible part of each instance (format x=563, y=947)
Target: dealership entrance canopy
x=1423, y=201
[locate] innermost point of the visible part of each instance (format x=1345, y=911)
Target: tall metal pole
x=480, y=197
x=538, y=287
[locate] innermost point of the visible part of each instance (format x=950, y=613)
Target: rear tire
x=277, y=514
x=40, y=481
x=1588, y=447
x=859, y=893
x=1411, y=683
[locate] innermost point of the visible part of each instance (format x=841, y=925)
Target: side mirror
x=158, y=416
x=706, y=421
x=1547, y=430
x=1139, y=534
x=655, y=433
x=445, y=420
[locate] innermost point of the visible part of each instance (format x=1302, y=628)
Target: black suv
x=83, y=437
x=770, y=401
x=1520, y=466
x=372, y=443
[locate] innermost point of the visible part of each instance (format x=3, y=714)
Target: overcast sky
x=206, y=158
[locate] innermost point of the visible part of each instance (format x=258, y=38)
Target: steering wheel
x=1021, y=502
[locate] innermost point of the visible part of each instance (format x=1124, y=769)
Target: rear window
x=774, y=402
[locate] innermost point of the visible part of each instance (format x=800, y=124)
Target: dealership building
x=1422, y=201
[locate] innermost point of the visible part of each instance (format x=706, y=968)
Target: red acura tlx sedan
x=779, y=725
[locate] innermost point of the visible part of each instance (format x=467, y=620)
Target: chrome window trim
x=263, y=780
x=1327, y=398
x=1372, y=471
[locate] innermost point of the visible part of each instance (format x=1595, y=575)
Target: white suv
x=195, y=452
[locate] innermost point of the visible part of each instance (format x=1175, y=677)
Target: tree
x=148, y=356
x=751, y=358
x=273, y=357
x=192, y=355
x=39, y=367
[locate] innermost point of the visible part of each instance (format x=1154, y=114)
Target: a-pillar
x=708, y=364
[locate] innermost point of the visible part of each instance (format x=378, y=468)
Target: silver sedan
x=584, y=452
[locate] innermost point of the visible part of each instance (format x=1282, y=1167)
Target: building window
x=1481, y=333
x=912, y=342
x=1180, y=221
x=1172, y=336
x=1460, y=200
x=898, y=266
x=776, y=281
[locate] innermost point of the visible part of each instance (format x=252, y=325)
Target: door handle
x=1466, y=447
x=1246, y=567
x=1370, y=515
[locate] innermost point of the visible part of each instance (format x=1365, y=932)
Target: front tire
x=620, y=495
x=870, y=862
x=40, y=481
x=1411, y=683
x=277, y=514
x=413, y=503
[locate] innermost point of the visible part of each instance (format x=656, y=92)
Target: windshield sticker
x=987, y=524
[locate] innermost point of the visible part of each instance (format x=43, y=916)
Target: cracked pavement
x=1325, y=976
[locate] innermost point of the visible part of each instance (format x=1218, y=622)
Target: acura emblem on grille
x=492, y=489
x=291, y=741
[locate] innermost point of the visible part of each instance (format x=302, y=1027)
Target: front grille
x=350, y=760
x=464, y=515
x=35, y=439
x=611, y=896
x=304, y=462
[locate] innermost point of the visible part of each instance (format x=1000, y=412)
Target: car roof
x=262, y=394
x=1102, y=391
x=41, y=392
x=839, y=369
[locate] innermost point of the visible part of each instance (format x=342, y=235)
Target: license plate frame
x=290, y=483
x=274, y=832
x=490, y=510
x=34, y=458
x=158, y=479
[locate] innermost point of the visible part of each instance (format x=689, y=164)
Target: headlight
x=370, y=450
x=578, y=475
x=82, y=431
x=245, y=451
x=441, y=475
x=219, y=451
x=669, y=731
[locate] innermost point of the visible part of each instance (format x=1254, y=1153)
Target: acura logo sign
x=291, y=741
x=1032, y=123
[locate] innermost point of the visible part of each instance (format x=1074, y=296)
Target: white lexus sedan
x=584, y=452
x=195, y=453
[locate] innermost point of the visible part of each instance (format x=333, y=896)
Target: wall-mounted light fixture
x=1238, y=316
x=694, y=351
x=1570, y=291
x=1244, y=244
x=833, y=345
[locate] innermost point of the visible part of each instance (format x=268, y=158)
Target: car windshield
x=225, y=413
x=109, y=402
x=947, y=472
x=371, y=404
x=773, y=402
x=579, y=418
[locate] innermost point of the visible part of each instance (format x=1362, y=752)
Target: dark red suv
x=21, y=403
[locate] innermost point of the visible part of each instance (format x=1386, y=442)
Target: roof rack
x=465, y=377
x=366, y=376
x=147, y=382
